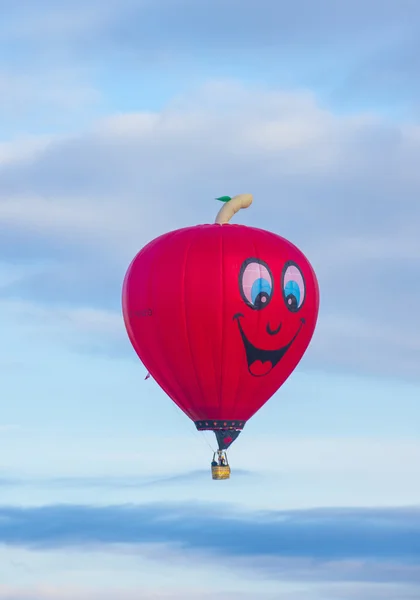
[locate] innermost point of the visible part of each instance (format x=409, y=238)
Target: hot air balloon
x=220, y=315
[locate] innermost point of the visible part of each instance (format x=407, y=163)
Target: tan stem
x=232, y=207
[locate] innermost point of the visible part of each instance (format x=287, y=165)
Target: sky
x=119, y=121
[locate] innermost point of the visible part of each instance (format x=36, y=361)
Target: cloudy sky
x=120, y=120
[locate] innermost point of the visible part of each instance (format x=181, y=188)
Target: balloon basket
x=220, y=468
x=220, y=472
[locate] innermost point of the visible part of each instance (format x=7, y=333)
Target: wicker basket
x=220, y=472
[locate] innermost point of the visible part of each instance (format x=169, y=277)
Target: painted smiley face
x=257, y=287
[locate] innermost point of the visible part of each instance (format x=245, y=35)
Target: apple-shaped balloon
x=220, y=315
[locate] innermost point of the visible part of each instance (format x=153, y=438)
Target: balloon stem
x=230, y=208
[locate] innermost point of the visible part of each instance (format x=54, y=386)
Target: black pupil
x=261, y=300
x=291, y=302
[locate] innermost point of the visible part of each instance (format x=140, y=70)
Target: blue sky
x=120, y=121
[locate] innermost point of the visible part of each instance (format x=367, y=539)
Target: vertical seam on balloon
x=261, y=312
x=125, y=286
x=166, y=388
x=239, y=383
x=212, y=348
x=184, y=409
x=223, y=317
x=183, y=288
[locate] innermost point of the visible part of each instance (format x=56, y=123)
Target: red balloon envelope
x=220, y=315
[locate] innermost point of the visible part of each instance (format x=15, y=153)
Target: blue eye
x=260, y=291
x=255, y=283
x=292, y=289
x=293, y=286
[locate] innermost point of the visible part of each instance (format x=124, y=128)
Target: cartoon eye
x=256, y=283
x=293, y=286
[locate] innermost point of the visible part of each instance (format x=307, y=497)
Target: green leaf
x=224, y=198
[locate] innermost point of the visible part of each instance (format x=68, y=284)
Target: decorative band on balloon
x=219, y=424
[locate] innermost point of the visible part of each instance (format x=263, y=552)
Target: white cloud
x=54, y=22
x=145, y=593
x=341, y=187
x=297, y=592
x=25, y=148
x=61, y=90
x=82, y=321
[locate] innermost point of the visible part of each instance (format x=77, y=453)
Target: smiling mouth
x=261, y=362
